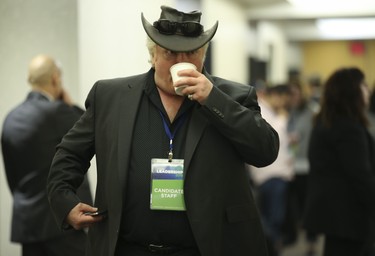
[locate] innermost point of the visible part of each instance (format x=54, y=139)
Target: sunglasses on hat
x=189, y=28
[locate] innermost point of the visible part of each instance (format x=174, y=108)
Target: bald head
x=42, y=69
x=45, y=75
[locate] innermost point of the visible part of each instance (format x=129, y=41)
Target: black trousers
x=338, y=246
x=126, y=249
x=72, y=243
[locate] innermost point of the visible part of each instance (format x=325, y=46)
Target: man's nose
x=182, y=57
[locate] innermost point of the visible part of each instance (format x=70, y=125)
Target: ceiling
x=299, y=21
x=258, y=3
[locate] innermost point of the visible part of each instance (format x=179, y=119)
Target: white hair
x=151, y=46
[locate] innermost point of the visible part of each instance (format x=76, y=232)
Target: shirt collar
x=45, y=94
x=151, y=91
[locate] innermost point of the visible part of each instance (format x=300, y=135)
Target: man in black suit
x=30, y=134
x=171, y=169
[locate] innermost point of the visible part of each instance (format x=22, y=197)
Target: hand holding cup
x=175, y=69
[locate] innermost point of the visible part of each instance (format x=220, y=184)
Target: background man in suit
x=201, y=201
x=30, y=134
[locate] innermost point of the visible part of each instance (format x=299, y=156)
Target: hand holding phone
x=97, y=213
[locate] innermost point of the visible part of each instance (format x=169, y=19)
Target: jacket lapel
x=195, y=130
x=131, y=96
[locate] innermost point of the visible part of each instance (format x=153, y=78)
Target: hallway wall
x=28, y=28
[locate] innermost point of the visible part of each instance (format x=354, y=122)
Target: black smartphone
x=97, y=213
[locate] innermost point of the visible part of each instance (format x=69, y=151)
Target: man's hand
x=199, y=87
x=77, y=218
x=66, y=97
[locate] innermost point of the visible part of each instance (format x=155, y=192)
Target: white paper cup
x=174, y=70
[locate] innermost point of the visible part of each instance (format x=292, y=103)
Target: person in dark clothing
x=171, y=168
x=341, y=183
x=31, y=131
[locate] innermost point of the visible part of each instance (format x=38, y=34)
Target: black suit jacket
x=30, y=134
x=222, y=135
x=341, y=188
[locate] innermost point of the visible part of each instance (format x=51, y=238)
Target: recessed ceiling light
x=347, y=28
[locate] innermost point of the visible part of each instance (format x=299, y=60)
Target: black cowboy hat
x=178, y=31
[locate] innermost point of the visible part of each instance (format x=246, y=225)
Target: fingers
x=66, y=97
x=199, y=87
x=86, y=208
x=198, y=91
x=189, y=73
x=77, y=218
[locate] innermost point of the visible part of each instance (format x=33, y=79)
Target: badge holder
x=167, y=181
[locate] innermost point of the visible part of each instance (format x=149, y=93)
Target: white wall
x=294, y=56
x=28, y=28
x=112, y=39
x=272, y=47
x=229, y=46
x=235, y=41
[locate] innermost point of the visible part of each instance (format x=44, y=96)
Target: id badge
x=167, y=182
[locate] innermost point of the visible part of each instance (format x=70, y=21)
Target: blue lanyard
x=170, y=134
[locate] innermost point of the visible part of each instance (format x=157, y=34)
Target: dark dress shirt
x=140, y=224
